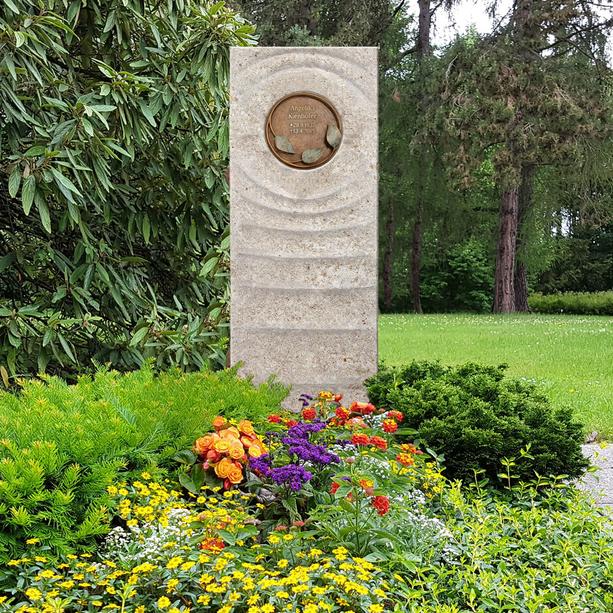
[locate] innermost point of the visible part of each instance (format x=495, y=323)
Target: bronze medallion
x=303, y=130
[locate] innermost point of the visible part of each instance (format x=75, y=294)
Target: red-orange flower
x=214, y=545
x=381, y=504
x=395, y=415
x=334, y=487
x=389, y=425
x=274, y=419
x=363, y=408
x=338, y=397
x=290, y=423
x=360, y=439
x=309, y=414
x=342, y=413
x=406, y=459
x=378, y=441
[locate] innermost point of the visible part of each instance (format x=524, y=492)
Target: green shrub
x=64, y=444
x=476, y=417
x=521, y=551
x=580, y=303
x=113, y=195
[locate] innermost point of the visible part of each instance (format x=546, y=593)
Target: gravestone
x=303, y=216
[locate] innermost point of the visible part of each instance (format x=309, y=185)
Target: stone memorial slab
x=303, y=215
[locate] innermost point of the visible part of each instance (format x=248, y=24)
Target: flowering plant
x=221, y=455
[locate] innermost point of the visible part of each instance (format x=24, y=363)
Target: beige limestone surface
x=304, y=242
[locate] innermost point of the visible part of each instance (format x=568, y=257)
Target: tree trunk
x=416, y=257
x=523, y=208
x=423, y=50
x=388, y=257
x=504, y=286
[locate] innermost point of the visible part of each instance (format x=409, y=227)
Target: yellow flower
x=32, y=541
x=46, y=574
x=33, y=594
x=375, y=608
x=172, y=584
x=174, y=562
x=163, y=602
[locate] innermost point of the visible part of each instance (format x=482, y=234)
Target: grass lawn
x=570, y=356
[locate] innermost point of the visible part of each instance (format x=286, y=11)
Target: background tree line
x=495, y=157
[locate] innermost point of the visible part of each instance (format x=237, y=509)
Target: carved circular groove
x=304, y=130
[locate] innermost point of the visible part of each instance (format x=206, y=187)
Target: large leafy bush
x=476, y=417
x=64, y=444
x=113, y=197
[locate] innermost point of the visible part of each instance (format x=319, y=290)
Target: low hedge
x=580, y=303
x=477, y=418
x=62, y=445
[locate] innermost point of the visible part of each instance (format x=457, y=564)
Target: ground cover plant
x=62, y=445
x=476, y=417
x=570, y=357
x=329, y=510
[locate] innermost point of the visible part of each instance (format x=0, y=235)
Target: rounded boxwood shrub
x=476, y=417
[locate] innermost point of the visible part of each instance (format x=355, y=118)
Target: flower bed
x=335, y=509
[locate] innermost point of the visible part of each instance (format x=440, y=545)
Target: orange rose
x=230, y=432
x=203, y=444
x=235, y=475
x=223, y=468
x=247, y=441
x=219, y=422
x=246, y=427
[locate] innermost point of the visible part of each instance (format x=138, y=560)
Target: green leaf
x=146, y=228
x=43, y=212
x=35, y=151
x=20, y=39
x=333, y=136
x=27, y=193
x=310, y=156
x=65, y=181
x=282, y=143
x=14, y=182
x=12, y=6
x=139, y=335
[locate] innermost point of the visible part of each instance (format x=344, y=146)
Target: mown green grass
x=569, y=356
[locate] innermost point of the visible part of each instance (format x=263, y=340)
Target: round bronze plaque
x=303, y=130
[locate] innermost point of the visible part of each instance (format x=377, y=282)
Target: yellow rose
x=246, y=427
x=222, y=445
x=237, y=450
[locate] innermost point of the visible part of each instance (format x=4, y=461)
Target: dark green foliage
x=582, y=262
x=476, y=417
x=461, y=281
x=580, y=303
x=64, y=444
x=113, y=196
